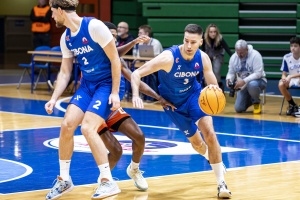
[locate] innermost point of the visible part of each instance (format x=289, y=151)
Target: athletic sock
x=134, y=165
x=64, y=166
x=219, y=172
x=291, y=102
x=105, y=172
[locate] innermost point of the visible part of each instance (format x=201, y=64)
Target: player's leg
x=112, y=145
x=107, y=186
x=122, y=122
x=187, y=126
x=205, y=124
x=72, y=119
x=97, y=111
x=199, y=144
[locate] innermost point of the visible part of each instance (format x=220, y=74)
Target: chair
x=291, y=88
x=53, y=65
x=27, y=67
x=264, y=99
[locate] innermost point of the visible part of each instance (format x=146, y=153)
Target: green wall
x=16, y=7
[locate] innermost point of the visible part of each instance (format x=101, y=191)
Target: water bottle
x=134, y=50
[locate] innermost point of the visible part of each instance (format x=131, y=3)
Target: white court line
x=169, y=128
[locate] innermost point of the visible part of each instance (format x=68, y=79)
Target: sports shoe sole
x=224, y=195
x=64, y=192
x=109, y=195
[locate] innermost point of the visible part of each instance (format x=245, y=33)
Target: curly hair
x=208, y=39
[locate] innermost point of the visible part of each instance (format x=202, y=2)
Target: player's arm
x=163, y=61
x=63, y=76
x=209, y=75
x=101, y=34
x=122, y=50
x=144, y=88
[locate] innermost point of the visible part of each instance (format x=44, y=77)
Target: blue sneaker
x=106, y=189
x=61, y=187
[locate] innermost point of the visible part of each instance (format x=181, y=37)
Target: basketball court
x=261, y=153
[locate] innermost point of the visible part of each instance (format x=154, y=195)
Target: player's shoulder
x=288, y=56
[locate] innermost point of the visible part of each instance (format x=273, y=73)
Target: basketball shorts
x=113, y=121
x=186, y=115
x=93, y=97
x=295, y=82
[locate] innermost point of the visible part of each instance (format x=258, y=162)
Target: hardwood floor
x=260, y=182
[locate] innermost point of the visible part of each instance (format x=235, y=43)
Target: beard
x=59, y=25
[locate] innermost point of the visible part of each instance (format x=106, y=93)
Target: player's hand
x=49, y=106
x=137, y=102
x=142, y=39
x=166, y=104
x=214, y=87
x=114, y=99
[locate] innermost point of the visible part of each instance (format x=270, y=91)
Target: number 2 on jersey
x=85, y=61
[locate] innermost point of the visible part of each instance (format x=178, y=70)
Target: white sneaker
x=297, y=114
x=106, y=189
x=61, y=187
x=223, y=191
x=137, y=176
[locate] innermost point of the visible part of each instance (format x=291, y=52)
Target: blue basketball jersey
x=94, y=64
x=180, y=87
x=180, y=83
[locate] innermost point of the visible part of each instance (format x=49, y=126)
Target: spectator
x=124, y=36
x=290, y=74
x=41, y=23
x=151, y=79
x=147, y=30
x=246, y=74
x=215, y=46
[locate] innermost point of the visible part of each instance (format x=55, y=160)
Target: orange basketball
x=211, y=101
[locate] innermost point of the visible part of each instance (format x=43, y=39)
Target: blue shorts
x=93, y=97
x=186, y=115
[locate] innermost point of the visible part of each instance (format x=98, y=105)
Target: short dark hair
x=147, y=29
x=110, y=25
x=295, y=40
x=194, y=28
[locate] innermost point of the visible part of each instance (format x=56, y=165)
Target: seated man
x=147, y=30
x=246, y=74
x=290, y=74
x=151, y=79
x=124, y=37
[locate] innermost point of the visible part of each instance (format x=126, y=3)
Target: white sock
x=64, y=166
x=134, y=165
x=105, y=172
x=219, y=172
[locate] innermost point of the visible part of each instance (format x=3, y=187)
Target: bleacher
x=266, y=24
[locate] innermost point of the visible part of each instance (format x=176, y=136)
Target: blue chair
x=291, y=88
x=27, y=67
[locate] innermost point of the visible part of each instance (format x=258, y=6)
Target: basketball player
x=94, y=47
x=122, y=122
x=177, y=69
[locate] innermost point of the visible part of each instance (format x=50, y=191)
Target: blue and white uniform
x=96, y=83
x=181, y=88
x=291, y=66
